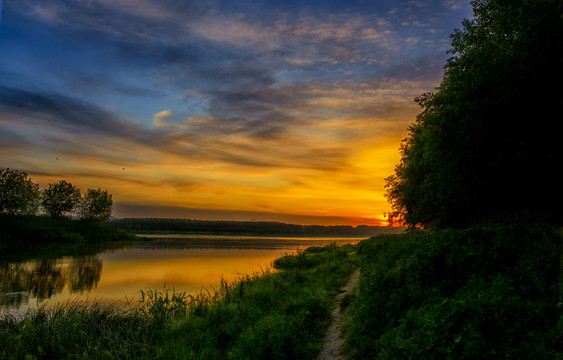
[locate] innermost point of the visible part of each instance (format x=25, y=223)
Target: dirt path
x=332, y=348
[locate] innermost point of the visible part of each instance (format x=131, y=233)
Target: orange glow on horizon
x=350, y=193
x=292, y=113
x=327, y=180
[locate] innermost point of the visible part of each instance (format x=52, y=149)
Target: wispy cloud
x=270, y=106
x=67, y=113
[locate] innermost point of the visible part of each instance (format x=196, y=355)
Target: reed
x=78, y=329
x=273, y=314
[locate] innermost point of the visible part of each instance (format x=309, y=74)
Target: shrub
x=490, y=290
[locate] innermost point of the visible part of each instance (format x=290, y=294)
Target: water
x=184, y=263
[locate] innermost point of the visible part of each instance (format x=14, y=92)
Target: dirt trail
x=332, y=348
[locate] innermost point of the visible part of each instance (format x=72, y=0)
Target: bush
x=487, y=291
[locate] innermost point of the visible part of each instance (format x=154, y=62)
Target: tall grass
x=279, y=315
x=266, y=315
x=78, y=330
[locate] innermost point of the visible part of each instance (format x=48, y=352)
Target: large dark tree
x=60, y=198
x=18, y=194
x=488, y=141
x=96, y=205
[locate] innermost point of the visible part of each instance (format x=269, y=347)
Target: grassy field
x=485, y=292
x=270, y=315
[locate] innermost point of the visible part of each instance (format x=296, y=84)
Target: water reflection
x=237, y=242
x=84, y=273
x=186, y=264
x=43, y=279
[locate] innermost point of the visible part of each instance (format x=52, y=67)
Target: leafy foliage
x=96, y=204
x=489, y=291
x=18, y=194
x=60, y=198
x=483, y=144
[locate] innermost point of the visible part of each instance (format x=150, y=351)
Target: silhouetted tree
x=487, y=141
x=18, y=194
x=96, y=205
x=60, y=198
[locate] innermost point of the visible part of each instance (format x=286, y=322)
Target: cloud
x=137, y=210
x=455, y=4
x=51, y=109
x=239, y=64
x=224, y=47
x=251, y=103
x=159, y=119
x=305, y=126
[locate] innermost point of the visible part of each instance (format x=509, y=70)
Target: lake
x=184, y=263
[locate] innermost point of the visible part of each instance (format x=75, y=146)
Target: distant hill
x=258, y=228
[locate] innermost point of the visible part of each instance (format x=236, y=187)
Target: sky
x=270, y=110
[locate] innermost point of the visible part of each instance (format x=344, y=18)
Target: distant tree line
x=259, y=228
x=19, y=195
x=486, y=143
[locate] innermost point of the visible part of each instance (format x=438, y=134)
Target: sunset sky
x=286, y=110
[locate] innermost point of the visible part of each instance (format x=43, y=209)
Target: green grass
x=268, y=315
x=489, y=291
x=78, y=330
x=280, y=315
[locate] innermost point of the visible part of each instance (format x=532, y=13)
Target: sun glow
x=258, y=112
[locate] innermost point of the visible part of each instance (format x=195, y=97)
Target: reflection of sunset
x=118, y=275
x=186, y=270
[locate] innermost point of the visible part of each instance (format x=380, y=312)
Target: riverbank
x=489, y=291
x=29, y=236
x=484, y=292
x=273, y=314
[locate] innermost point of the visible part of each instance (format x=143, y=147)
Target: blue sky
x=279, y=108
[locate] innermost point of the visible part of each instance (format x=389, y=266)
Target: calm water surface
x=184, y=263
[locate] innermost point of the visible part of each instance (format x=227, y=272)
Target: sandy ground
x=332, y=348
